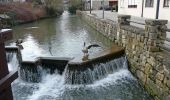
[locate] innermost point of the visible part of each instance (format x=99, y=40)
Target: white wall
x=123, y=8
x=150, y=12
x=164, y=12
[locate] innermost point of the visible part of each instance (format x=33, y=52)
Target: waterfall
x=99, y=71
x=12, y=61
x=34, y=71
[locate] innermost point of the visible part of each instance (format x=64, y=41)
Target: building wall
x=123, y=8
x=164, y=12
x=96, y=4
x=148, y=12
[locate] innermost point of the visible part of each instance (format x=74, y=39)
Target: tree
x=75, y=5
x=54, y=7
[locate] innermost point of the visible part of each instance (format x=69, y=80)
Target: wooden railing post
x=6, y=77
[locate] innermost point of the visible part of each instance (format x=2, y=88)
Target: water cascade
x=96, y=72
x=32, y=71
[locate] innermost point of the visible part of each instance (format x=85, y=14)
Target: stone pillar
x=122, y=20
x=153, y=30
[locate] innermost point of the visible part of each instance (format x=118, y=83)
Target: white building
x=157, y=9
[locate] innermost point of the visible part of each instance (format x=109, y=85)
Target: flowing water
x=64, y=37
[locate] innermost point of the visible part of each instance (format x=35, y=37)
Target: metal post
x=157, y=9
x=103, y=9
x=142, y=8
x=90, y=6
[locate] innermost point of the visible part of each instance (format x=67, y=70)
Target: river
x=64, y=37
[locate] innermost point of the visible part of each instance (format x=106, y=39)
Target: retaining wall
x=147, y=61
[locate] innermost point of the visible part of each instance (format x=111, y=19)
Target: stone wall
x=146, y=60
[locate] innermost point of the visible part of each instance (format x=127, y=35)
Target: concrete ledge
x=106, y=55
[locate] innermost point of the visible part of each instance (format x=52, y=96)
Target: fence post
x=154, y=29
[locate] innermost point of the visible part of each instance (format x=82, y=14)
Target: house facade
x=97, y=4
x=155, y=9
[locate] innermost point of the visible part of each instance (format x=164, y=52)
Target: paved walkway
x=113, y=16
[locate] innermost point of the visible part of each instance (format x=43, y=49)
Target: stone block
x=141, y=76
x=153, y=22
x=151, y=61
x=152, y=87
x=168, y=82
x=153, y=75
x=145, y=41
x=142, y=38
x=138, y=37
x=159, y=83
x=160, y=76
x=154, y=49
x=166, y=97
x=147, y=68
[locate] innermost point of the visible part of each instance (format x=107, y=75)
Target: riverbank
x=21, y=13
x=147, y=61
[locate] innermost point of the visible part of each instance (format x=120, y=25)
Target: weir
x=77, y=72
x=86, y=72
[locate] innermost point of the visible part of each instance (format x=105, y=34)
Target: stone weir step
x=102, y=57
x=30, y=71
x=93, y=69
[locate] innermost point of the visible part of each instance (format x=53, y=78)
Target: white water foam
x=13, y=63
x=52, y=85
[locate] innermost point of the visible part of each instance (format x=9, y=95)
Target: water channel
x=64, y=37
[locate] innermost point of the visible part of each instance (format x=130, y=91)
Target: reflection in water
x=64, y=37
x=61, y=37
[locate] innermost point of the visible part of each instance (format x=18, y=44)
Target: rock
x=159, y=83
x=166, y=97
x=141, y=76
x=152, y=87
x=147, y=68
x=168, y=82
x=160, y=76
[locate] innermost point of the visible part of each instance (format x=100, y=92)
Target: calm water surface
x=64, y=37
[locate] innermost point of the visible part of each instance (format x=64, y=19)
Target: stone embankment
x=142, y=46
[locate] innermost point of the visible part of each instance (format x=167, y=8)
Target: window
x=166, y=3
x=149, y=3
x=132, y=4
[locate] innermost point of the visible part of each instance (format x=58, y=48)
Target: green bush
x=72, y=9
